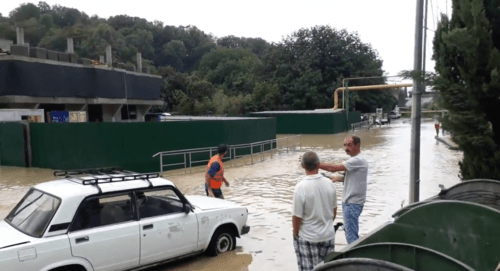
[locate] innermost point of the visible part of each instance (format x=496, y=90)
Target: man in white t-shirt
x=314, y=209
x=354, y=194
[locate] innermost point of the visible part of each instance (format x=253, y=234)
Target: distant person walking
x=214, y=176
x=354, y=194
x=436, y=125
x=314, y=209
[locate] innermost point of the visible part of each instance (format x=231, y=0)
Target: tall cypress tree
x=466, y=51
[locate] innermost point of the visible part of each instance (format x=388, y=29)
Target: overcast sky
x=388, y=25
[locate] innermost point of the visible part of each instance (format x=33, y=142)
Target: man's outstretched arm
x=332, y=167
x=337, y=179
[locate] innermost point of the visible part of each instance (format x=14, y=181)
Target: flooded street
x=266, y=189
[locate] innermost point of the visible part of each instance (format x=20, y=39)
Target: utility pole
x=416, y=110
x=346, y=92
x=424, y=87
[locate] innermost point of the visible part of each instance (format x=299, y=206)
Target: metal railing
x=273, y=146
x=364, y=124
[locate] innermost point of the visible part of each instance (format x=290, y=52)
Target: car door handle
x=147, y=227
x=81, y=240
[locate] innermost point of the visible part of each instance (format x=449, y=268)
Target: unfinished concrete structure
x=34, y=78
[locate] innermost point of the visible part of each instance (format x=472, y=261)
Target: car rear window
x=33, y=213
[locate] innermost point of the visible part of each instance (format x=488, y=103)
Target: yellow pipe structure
x=336, y=93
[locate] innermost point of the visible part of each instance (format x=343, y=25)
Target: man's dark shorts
x=217, y=192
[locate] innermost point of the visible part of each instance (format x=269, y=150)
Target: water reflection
x=266, y=189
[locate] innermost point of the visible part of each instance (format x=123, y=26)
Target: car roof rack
x=98, y=170
x=104, y=178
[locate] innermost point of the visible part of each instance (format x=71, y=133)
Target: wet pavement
x=266, y=189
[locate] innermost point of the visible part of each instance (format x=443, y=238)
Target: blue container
x=59, y=116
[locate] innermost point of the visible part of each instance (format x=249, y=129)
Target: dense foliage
x=466, y=50
x=205, y=74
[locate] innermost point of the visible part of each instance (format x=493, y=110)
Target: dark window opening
x=95, y=112
x=129, y=112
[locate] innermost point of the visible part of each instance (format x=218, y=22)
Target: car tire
x=223, y=240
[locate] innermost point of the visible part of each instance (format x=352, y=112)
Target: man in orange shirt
x=214, y=176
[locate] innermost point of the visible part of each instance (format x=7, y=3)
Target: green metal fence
x=295, y=122
x=12, y=144
x=131, y=145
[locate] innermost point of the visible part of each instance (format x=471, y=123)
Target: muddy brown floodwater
x=266, y=189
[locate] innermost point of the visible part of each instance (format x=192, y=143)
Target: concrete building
x=35, y=78
x=106, y=94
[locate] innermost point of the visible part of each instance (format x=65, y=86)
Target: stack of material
x=97, y=63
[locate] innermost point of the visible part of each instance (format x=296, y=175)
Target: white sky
x=388, y=25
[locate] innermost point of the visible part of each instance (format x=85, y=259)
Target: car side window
x=158, y=202
x=103, y=211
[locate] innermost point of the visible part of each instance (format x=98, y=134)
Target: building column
x=109, y=57
x=142, y=110
x=139, y=62
x=111, y=112
x=20, y=35
x=71, y=48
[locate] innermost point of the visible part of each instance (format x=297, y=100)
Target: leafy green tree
x=174, y=52
x=266, y=96
x=257, y=46
x=47, y=21
x=98, y=38
x=7, y=31
x=466, y=51
x=197, y=44
x=234, y=69
x=222, y=104
x=44, y=7
x=25, y=12
x=70, y=17
x=142, y=41
x=309, y=63
x=54, y=40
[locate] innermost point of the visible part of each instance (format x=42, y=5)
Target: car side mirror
x=186, y=208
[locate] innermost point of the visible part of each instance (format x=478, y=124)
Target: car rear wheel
x=223, y=240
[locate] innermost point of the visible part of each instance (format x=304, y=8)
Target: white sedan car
x=109, y=219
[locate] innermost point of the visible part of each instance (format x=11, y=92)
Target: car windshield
x=33, y=213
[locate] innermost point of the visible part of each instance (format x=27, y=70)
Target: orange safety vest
x=216, y=180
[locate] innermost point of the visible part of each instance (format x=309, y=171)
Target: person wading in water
x=214, y=176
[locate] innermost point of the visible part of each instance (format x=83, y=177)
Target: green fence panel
x=305, y=124
x=12, y=144
x=132, y=145
x=296, y=122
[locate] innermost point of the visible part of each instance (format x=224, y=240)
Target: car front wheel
x=222, y=241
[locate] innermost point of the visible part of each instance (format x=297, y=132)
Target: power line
x=446, y=8
x=437, y=11
x=433, y=21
